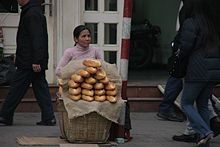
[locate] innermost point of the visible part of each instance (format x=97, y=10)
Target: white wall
x=68, y=16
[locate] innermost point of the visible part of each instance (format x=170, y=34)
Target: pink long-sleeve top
x=77, y=53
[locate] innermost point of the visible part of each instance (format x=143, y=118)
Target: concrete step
x=141, y=98
x=29, y=103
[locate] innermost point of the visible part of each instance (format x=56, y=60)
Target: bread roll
x=88, y=92
x=92, y=63
x=100, y=98
x=100, y=74
x=87, y=98
x=75, y=91
x=90, y=80
x=75, y=97
x=100, y=92
x=73, y=84
x=84, y=73
x=105, y=80
x=60, y=82
x=98, y=86
x=110, y=86
x=77, y=78
x=91, y=70
x=60, y=91
x=86, y=86
x=111, y=92
x=111, y=99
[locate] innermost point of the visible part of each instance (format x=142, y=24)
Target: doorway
x=153, y=27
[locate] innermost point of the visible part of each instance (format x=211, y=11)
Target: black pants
x=19, y=86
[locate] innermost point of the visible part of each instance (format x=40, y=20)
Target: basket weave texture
x=92, y=128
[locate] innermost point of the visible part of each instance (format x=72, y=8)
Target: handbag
x=177, y=66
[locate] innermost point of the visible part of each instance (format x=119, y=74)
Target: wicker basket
x=91, y=128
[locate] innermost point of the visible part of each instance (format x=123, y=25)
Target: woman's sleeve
x=63, y=61
x=188, y=35
x=99, y=54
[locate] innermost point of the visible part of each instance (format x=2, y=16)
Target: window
x=104, y=18
x=94, y=31
x=91, y=5
x=110, y=5
x=8, y=6
x=110, y=56
x=110, y=33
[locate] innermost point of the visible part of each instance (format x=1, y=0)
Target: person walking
x=174, y=85
x=199, y=43
x=172, y=90
x=31, y=62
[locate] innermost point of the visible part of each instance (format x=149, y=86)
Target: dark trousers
x=173, y=88
x=19, y=86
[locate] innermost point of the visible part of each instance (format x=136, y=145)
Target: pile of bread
x=91, y=84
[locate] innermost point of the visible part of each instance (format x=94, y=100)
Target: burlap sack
x=111, y=111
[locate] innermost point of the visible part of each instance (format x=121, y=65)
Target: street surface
x=147, y=131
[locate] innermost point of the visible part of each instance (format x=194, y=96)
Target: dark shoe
x=215, y=125
x=186, y=138
x=5, y=122
x=170, y=116
x=127, y=136
x=204, y=142
x=51, y=122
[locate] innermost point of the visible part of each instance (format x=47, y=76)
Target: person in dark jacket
x=199, y=43
x=31, y=62
x=172, y=90
x=174, y=85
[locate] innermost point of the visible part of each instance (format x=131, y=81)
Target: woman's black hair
x=215, y=11
x=200, y=11
x=78, y=30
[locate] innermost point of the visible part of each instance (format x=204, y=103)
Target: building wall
x=69, y=13
x=67, y=16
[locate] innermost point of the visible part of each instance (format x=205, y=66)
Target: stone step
x=141, y=98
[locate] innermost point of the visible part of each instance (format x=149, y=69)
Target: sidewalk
x=147, y=131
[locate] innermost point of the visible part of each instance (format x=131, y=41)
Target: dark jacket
x=204, y=62
x=32, y=38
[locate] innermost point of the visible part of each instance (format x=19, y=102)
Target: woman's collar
x=81, y=48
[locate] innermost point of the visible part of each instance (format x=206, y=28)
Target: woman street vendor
x=81, y=49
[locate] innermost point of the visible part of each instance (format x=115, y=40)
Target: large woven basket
x=91, y=128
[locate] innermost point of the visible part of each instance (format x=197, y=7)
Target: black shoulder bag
x=177, y=66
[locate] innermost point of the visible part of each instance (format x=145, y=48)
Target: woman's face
x=84, y=38
x=22, y=2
